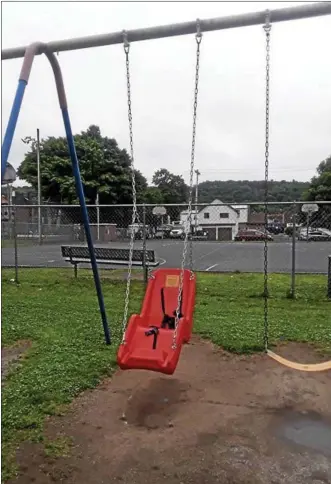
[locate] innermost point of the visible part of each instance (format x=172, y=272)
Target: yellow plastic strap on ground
x=326, y=365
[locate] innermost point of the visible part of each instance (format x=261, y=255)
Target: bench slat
x=80, y=254
x=74, y=260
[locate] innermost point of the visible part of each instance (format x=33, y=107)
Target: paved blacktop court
x=311, y=257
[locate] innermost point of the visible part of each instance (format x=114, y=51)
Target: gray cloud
x=230, y=136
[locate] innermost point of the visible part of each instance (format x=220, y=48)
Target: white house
x=184, y=218
x=220, y=221
x=243, y=214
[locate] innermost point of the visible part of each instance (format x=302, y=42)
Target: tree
x=245, y=191
x=172, y=187
x=320, y=186
x=153, y=195
x=104, y=167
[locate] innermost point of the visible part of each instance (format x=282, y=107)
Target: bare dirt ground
x=12, y=355
x=219, y=419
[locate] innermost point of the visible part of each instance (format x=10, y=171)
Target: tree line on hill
x=241, y=191
x=105, y=170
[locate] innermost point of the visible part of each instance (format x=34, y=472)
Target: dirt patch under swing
x=220, y=418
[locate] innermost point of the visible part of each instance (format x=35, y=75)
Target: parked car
x=315, y=235
x=163, y=232
x=200, y=235
x=250, y=234
x=159, y=234
x=138, y=230
x=276, y=228
x=177, y=233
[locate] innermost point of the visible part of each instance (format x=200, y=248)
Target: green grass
x=59, y=315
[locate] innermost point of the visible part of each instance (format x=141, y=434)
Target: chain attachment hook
x=198, y=35
x=267, y=25
x=126, y=43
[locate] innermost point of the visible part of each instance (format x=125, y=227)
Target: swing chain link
x=135, y=215
x=267, y=29
x=198, y=38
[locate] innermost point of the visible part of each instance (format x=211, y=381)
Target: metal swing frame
x=307, y=10
x=313, y=367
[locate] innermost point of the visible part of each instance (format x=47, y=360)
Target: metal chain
x=198, y=38
x=195, y=107
x=133, y=180
x=267, y=29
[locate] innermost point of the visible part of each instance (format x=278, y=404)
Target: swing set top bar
x=208, y=25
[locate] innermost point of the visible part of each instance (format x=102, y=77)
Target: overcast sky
x=230, y=129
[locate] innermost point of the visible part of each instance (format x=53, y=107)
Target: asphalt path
x=311, y=257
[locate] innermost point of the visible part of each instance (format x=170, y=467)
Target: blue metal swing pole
x=80, y=192
x=24, y=77
x=8, y=138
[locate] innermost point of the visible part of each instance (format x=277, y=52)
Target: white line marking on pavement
x=208, y=253
x=211, y=267
x=169, y=244
x=164, y=261
x=51, y=261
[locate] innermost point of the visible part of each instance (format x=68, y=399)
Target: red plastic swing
x=149, y=340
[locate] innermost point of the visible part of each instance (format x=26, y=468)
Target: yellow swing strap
x=313, y=367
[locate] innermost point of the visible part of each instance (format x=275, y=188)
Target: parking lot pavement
x=311, y=257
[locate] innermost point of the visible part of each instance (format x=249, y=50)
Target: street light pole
x=197, y=172
x=39, y=188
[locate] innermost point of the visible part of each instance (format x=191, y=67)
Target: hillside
x=234, y=191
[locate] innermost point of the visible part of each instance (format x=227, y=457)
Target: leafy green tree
x=320, y=186
x=153, y=195
x=172, y=187
x=104, y=167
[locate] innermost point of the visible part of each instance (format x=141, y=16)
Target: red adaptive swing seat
x=149, y=335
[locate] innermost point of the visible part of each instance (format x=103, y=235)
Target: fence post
x=15, y=246
x=40, y=237
x=329, y=277
x=41, y=216
x=294, y=220
x=145, y=268
x=10, y=209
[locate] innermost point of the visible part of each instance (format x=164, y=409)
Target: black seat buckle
x=155, y=332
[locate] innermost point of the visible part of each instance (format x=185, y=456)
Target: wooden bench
x=80, y=254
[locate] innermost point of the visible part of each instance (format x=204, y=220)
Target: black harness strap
x=162, y=301
x=170, y=321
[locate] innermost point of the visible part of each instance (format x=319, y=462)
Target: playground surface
x=68, y=414
x=220, y=419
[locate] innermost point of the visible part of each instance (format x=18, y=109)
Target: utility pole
x=197, y=172
x=27, y=140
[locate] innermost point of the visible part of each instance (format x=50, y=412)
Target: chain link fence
x=225, y=238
